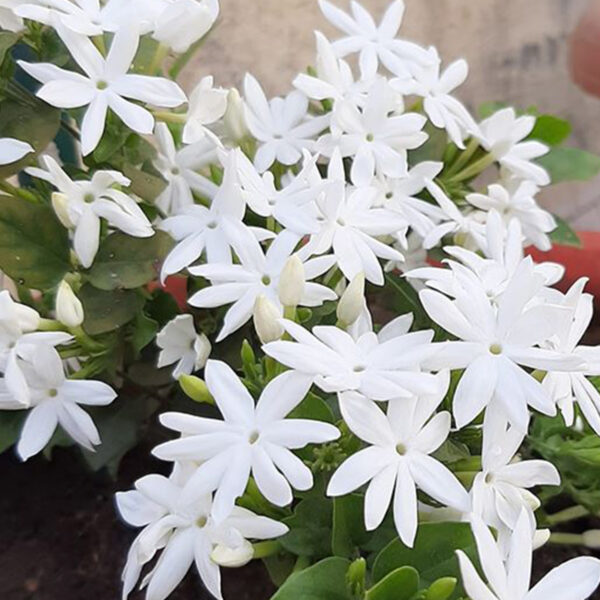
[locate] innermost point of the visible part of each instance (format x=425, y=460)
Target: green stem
x=266, y=549
x=160, y=54
x=567, y=539
x=51, y=325
x=473, y=169
x=98, y=41
x=289, y=313
x=18, y=192
x=302, y=563
x=569, y=514
x=464, y=157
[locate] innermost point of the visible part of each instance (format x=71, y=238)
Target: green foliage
x=564, y=235
x=143, y=333
x=550, y=130
x=34, y=246
x=11, y=423
x=433, y=148
x=402, y=298
x=7, y=41
x=348, y=533
x=144, y=184
x=125, y=262
x=570, y=164
x=401, y=584
x=106, y=311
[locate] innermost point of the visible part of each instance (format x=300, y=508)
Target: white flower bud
x=202, y=348
x=266, y=320
x=352, y=301
x=69, y=310
x=233, y=557
x=591, y=539
x=60, y=204
x=292, y=282
x=234, y=119
x=540, y=538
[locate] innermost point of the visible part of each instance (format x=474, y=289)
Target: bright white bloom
x=518, y=202
x=380, y=367
x=502, y=135
x=258, y=273
x=12, y=150
x=349, y=224
x=55, y=401
x=252, y=439
x=414, y=258
x=180, y=343
x=207, y=105
x=576, y=579
x=185, y=532
x=496, y=341
x=106, y=84
x=500, y=491
x=8, y=19
x=377, y=141
x=179, y=168
x=566, y=389
x=454, y=222
x=398, y=457
x=184, y=22
x=198, y=229
x=69, y=310
x=85, y=202
x=375, y=43
x=435, y=87
x=281, y=126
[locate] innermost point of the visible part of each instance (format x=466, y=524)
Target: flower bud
x=540, y=537
x=60, y=204
x=266, y=320
x=352, y=301
x=292, y=282
x=69, y=310
x=591, y=539
x=441, y=589
x=233, y=557
x=234, y=119
x=195, y=388
x=202, y=348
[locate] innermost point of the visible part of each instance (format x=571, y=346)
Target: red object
x=585, y=50
x=176, y=286
x=579, y=262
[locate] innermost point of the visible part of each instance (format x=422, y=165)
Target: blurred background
x=518, y=52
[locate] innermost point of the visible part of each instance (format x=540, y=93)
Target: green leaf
x=564, y=235
x=11, y=423
x=7, y=41
x=143, y=184
x=324, y=581
x=107, y=311
x=400, y=584
x=36, y=123
x=313, y=407
x=550, y=130
x=144, y=332
x=128, y=262
x=120, y=426
x=349, y=532
x=433, y=555
x=34, y=246
x=570, y=164
x=433, y=148
x=310, y=528
x=403, y=298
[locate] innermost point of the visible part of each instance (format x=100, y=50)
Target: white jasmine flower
x=55, y=401
x=377, y=141
x=566, y=389
x=496, y=342
x=380, y=367
x=8, y=19
x=398, y=458
x=518, y=202
x=106, y=84
x=375, y=44
x=184, y=22
x=69, y=310
x=349, y=223
x=258, y=273
x=12, y=150
x=180, y=343
x=281, y=126
x=207, y=105
x=435, y=87
x=179, y=168
x=252, y=439
x=414, y=259
x=84, y=203
x=185, y=532
x=576, y=579
x=502, y=135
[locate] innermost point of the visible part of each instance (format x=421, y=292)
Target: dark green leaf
x=143, y=184
x=550, y=130
x=564, y=235
x=7, y=41
x=129, y=262
x=107, y=311
x=433, y=148
x=11, y=423
x=349, y=532
x=34, y=246
x=144, y=332
x=324, y=581
x=570, y=164
x=400, y=584
x=310, y=528
x=313, y=407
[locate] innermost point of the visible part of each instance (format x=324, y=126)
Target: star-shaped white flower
x=258, y=273
x=12, y=150
x=8, y=19
x=281, y=126
x=207, y=105
x=252, y=439
x=106, y=84
x=502, y=135
x=84, y=203
x=397, y=457
x=510, y=579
